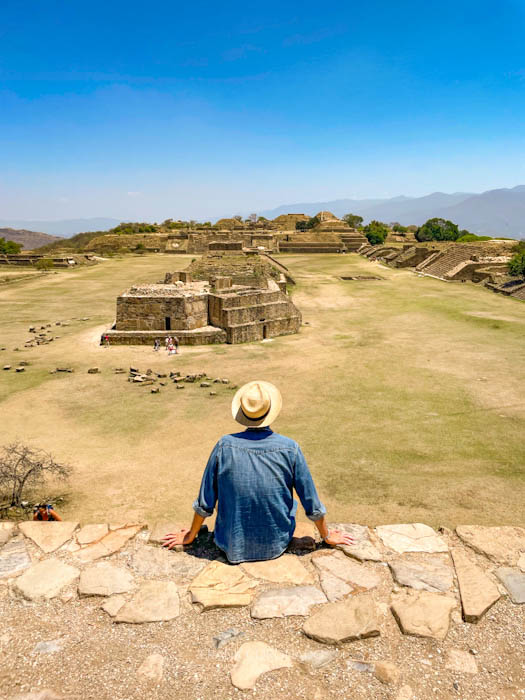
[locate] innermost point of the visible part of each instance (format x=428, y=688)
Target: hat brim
x=276, y=403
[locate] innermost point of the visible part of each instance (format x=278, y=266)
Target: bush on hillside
x=438, y=230
x=307, y=225
x=353, y=220
x=9, y=247
x=376, y=232
x=398, y=228
x=467, y=237
x=517, y=265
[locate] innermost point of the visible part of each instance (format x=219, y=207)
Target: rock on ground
x=283, y=602
x=152, y=562
x=501, y=545
x=14, y=558
x=363, y=549
x=514, y=582
x=221, y=586
x=285, y=569
x=387, y=672
x=48, y=535
x=423, y=614
x=412, y=537
x=152, y=668
x=253, y=659
x=45, y=580
x=113, y=604
x=318, y=658
x=111, y=543
x=426, y=575
x=339, y=575
x=160, y=529
x=353, y=618
x=92, y=533
x=478, y=592
x=461, y=661
x=104, y=579
x=153, y=602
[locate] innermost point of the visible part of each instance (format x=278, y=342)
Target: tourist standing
x=176, y=344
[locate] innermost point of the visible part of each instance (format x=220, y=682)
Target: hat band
x=258, y=417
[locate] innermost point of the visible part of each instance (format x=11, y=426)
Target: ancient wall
x=150, y=312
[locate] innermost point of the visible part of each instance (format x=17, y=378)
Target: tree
x=398, y=228
x=353, y=220
x=376, y=232
x=22, y=467
x=9, y=247
x=238, y=218
x=307, y=225
x=438, y=230
x=517, y=265
x=44, y=264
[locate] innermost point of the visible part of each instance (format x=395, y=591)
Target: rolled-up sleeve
x=207, y=498
x=305, y=488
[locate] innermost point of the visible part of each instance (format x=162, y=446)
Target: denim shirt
x=251, y=476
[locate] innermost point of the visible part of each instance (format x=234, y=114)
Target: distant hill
x=29, y=239
x=64, y=227
x=494, y=213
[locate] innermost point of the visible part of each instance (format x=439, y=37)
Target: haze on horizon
x=111, y=109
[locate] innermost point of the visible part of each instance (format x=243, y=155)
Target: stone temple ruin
x=218, y=299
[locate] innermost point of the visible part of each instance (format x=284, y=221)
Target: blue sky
x=152, y=110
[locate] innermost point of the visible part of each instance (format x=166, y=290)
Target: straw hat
x=257, y=404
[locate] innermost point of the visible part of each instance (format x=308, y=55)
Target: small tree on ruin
x=23, y=467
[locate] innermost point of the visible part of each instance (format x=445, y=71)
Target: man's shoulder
x=270, y=439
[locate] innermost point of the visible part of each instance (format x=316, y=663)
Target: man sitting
x=44, y=511
x=251, y=477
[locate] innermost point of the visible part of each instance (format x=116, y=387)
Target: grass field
x=406, y=394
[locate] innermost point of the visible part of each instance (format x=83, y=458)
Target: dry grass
x=407, y=395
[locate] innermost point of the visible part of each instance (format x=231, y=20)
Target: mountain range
x=494, y=213
x=29, y=239
x=64, y=227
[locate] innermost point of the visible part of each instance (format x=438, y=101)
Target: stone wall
x=186, y=312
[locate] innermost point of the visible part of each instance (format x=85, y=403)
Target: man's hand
x=336, y=537
x=183, y=536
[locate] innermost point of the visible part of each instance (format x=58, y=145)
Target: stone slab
x=14, y=558
x=48, y=535
x=108, y=545
x=502, y=545
x=155, y=601
x=104, y=579
x=411, y=537
x=423, y=614
x=363, y=549
x=426, y=575
x=514, y=582
x=285, y=569
x=478, y=592
x=151, y=562
x=162, y=528
x=222, y=585
x=92, y=533
x=7, y=530
x=113, y=604
x=347, y=620
x=340, y=576
x=252, y=660
x=283, y=602
x=45, y=580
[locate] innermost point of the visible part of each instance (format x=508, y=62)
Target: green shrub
x=376, y=232
x=438, y=230
x=517, y=265
x=44, y=264
x=472, y=238
x=9, y=247
x=353, y=220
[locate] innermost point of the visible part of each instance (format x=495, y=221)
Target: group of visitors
x=172, y=345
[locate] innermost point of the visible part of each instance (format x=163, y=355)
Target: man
x=251, y=477
x=45, y=511
x=176, y=344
